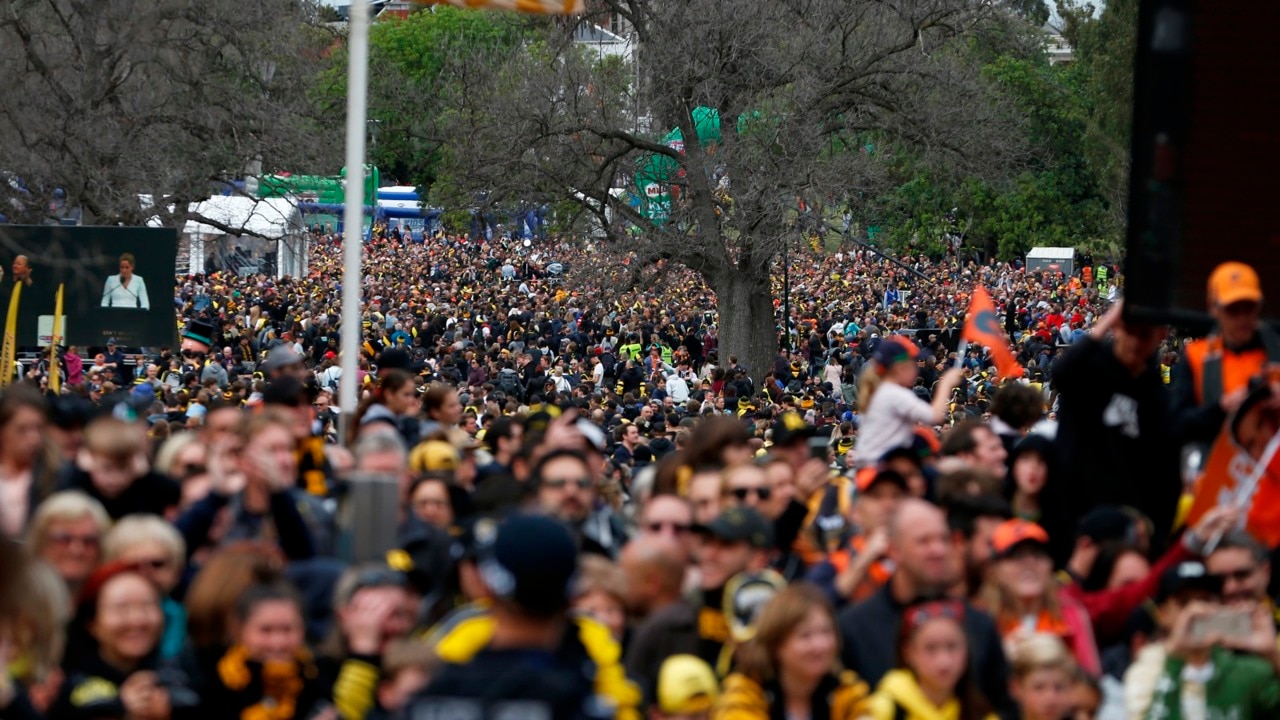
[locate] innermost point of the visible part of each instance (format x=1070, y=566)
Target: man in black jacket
x=1114, y=430
x=920, y=548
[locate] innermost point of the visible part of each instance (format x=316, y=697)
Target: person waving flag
x=982, y=327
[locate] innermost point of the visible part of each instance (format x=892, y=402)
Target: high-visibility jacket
x=1219, y=370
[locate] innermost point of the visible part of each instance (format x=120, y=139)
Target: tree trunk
x=747, y=326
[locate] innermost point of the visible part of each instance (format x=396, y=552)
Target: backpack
x=509, y=383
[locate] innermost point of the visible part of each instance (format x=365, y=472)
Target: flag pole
x=352, y=217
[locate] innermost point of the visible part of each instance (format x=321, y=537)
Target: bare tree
x=817, y=103
x=107, y=101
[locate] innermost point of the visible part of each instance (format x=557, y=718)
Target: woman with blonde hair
x=157, y=549
x=34, y=611
x=66, y=532
x=791, y=668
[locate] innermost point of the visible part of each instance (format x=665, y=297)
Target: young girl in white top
x=890, y=409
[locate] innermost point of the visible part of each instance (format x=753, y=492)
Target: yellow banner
x=10, y=347
x=55, y=376
x=534, y=7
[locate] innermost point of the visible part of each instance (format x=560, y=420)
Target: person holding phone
x=1222, y=659
x=126, y=290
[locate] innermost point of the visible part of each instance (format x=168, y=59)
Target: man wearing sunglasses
x=1243, y=566
x=565, y=488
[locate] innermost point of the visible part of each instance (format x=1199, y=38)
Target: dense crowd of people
x=594, y=513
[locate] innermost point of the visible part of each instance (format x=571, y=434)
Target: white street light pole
x=353, y=213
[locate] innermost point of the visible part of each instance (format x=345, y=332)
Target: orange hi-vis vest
x=1218, y=370
x=878, y=573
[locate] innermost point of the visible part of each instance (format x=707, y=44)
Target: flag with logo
x=9, y=349
x=55, y=379
x=533, y=7
x=982, y=327
x=1243, y=469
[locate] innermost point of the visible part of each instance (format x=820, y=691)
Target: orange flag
x=982, y=327
x=1243, y=470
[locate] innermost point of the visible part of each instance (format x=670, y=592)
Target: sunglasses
x=763, y=493
x=584, y=483
x=1237, y=575
x=193, y=354
x=190, y=471
x=677, y=528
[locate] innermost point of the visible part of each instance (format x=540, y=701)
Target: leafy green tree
x=779, y=106
x=1105, y=44
x=408, y=58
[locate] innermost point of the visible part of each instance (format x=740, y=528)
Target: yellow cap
x=686, y=685
x=433, y=456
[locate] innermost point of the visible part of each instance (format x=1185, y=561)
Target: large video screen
x=118, y=283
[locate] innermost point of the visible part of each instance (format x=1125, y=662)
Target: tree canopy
x=817, y=101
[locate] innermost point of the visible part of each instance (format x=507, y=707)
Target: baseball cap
x=894, y=349
x=1009, y=534
x=1105, y=523
x=789, y=428
x=868, y=477
x=686, y=685
x=287, y=391
x=1233, y=282
x=434, y=456
x=531, y=562
x=278, y=357
x=740, y=524
x=1190, y=575
x=394, y=358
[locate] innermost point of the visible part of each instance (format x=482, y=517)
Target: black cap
x=1190, y=575
x=789, y=428
x=394, y=358
x=530, y=562
x=285, y=390
x=425, y=556
x=741, y=524
x=1105, y=523
x=69, y=411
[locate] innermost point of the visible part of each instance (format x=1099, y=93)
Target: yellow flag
x=535, y=7
x=55, y=377
x=10, y=346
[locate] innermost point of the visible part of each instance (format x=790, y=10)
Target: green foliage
x=1104, y=45
x=1059, y=197
x=409, y=58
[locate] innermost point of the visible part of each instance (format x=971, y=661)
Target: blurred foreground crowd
x=587, y=512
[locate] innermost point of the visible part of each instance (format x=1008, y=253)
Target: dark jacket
x=151, y=494
x=672, y=630
x=91, y=690
x=1114, y=441
x=869, y=636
